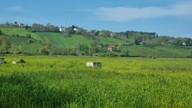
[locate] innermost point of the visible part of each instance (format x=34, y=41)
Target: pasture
x=57, y=81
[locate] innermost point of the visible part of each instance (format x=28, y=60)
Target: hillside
x=15, y=39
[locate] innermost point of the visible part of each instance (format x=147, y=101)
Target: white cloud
x=14, y=9
x=133, y=13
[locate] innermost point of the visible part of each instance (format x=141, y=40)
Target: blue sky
x=165, y=17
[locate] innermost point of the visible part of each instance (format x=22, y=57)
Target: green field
x=57, y=81
x=159, y=51
x=19, y=31
x=60, y=40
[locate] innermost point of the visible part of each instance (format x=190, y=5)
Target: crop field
x=57, y=81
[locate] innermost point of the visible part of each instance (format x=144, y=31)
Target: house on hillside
x=110, y=47
x=77, y=29
x=62, y=29
x=184, y=44
x=2, y=61
x=73, y=28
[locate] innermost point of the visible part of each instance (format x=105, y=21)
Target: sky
x=165, y=17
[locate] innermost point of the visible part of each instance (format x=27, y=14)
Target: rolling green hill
x=60, y=40
x=19, y=39
x=18, y=31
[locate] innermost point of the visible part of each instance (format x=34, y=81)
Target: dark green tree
x=125, y=52
x=178, y=42
x=37, y=28
x=1, y=32
x=47, y=47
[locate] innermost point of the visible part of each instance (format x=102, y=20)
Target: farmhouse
x=77, y=29
x=93, y=64
x=110, y=47
x=1, y=60
x=184, y=44
x=62, y=29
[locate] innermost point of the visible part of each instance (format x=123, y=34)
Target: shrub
x=28, y=35
x=22, y=61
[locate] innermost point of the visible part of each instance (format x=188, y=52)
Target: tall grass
x=65, y=82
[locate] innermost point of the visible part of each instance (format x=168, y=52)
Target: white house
x=184, y=44
x=76, y=29
x=62, y=29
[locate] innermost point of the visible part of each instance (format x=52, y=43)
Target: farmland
x=15, y=39
x=57, y=81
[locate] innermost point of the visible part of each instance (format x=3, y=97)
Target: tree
x=71, y=30
x=178, y=42
x=37, y=28
x=125, y=52
x=47, y=47
x=1, y=32
x=51, y=28
x=15, y=22
x=4, y=44
x=94, y=32
x=44, y=51
x=188, y=41
x=28, y=36
x=15, y=48
x=27, y=27
x=87, y=34
x=105, y=33
x=126, y=33
x=137, y=42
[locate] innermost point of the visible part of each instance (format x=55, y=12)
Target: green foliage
x=28, y=35
x=1, y=32
x=21, y=44
x=44, y=28
x=137, y=42
x=109, y=41
x=4, y=44
x=124, y=52
x=178, y=42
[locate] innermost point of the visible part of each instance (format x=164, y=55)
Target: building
x=184, y=44
x=77, y=29
x=62, y=29
x=110, y=47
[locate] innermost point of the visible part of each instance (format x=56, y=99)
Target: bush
x=45, y=51
x=28, y=35
x=1, y=32
x=22, y=61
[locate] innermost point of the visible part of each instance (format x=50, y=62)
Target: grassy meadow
x=57, y=81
